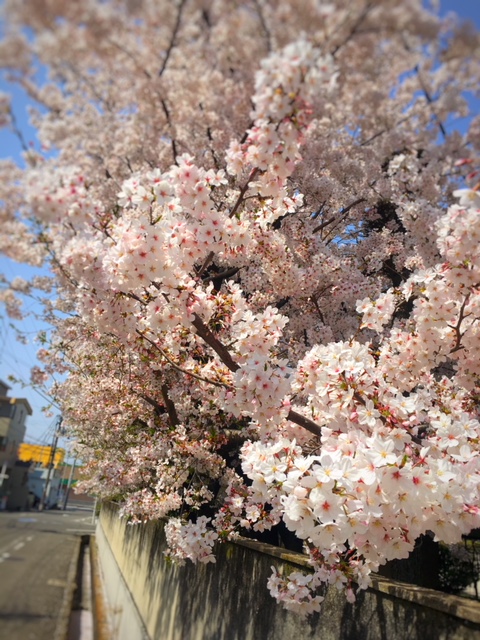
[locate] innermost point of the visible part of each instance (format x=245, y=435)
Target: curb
x=101, y=627
x=61, y=630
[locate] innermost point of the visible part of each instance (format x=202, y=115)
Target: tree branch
x=170, y=407
x=153, y=403
x=304, y=422
x=179, y=369
x=354, y=28
x=430, y=101
x=172, y=39
x=459, y=334
x=343, y=212
x=16, y=130
x=224, y=354
x=265, y=28
x=169, y=122
x=222, y=275
x=243, y=191
x=220, y=349
x=213, y=342
x=234, y=210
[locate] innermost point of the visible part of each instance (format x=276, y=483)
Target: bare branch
x=354, y=28
x=132, y=57
x=458, y=333
x=243, y=191
x=90, y=85
x=16, y=130
x=179, y=369
x=382, y=131
x=172, y=39
x=343, y=213
x=166, y=111
x=314, y=299
x=265, y=28
x=234, y=210
x=430, y=101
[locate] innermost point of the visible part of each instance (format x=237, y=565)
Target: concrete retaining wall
x=149, y=598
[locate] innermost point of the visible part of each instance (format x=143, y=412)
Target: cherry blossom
x=264, y=239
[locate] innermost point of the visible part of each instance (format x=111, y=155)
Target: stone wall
x=149, y=598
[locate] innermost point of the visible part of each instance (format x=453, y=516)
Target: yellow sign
x=40, y=454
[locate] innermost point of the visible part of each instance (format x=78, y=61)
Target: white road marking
x=13, y=545
x=53, y=582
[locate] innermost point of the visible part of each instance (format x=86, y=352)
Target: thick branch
x=224, y=354
x=153, y=403
x=213, y=342
x=222, y=351
x=304, y=422
x=222, y=275
x=170, y=407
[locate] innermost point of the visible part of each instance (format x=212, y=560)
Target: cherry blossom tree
x=264, y=234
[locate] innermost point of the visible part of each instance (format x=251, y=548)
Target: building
x=41, y=455
x=41, y=485
x=13, y=415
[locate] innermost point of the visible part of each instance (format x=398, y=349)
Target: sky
x=17, y=359
x=468, y=9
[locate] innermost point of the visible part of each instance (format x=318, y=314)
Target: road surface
x=36, y=551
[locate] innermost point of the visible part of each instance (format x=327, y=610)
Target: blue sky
x=465, y=8
x=16, y=358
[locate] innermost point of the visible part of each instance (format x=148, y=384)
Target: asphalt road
x=36, y=551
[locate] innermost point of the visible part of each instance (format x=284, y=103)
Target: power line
x=30, y=386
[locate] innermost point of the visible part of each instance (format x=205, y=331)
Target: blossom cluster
x=191, y=541
x=267, y=269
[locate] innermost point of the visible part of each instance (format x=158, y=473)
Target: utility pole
x=3, y=473
x=3, y=476
x=72, y=470
x=46, y=489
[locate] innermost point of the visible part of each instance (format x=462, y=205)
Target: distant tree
x=265, y=243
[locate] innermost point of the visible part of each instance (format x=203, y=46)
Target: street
x=36, y=551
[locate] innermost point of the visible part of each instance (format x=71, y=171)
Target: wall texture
x=149, y=598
